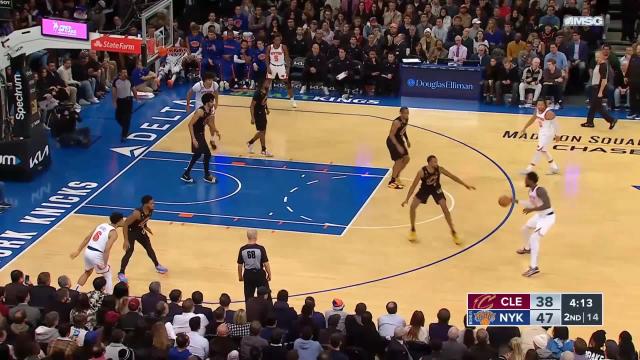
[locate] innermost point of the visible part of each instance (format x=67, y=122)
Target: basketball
x=162, y=51
x=504, y=200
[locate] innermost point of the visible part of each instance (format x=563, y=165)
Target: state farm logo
x=122, y=45
x=484, y=301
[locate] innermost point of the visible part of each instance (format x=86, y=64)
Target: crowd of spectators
x=39, y=321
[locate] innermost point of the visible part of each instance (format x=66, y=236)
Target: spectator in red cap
x=337, y=308
x=131, y=318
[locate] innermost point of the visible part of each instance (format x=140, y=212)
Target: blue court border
x=435, y=262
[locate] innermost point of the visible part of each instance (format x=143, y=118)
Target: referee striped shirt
x=252, y=256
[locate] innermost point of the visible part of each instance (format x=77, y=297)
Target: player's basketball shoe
x=186, y=178
x=266, y=153
x=523, y=251
x=294, y=104
x=161, y=269
x=250, y=147
x=210, y=179
x=554, y=171
x=394, y=185
x=122, y=278
x=398, y=181
x=531, y=271
x=413, y=236
x=456, y=238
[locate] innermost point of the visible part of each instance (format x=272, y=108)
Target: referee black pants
x=595, y=106
x=253, y=279
x=124, y=108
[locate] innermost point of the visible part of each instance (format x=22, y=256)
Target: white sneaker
x=303, y=89
x=325, y=90
x=252, y=85
x=94, y=101
x=221, y=85
x=553, y=171
x=345, y=96
x=293, y=103
x=250, y=147
x=266, y=153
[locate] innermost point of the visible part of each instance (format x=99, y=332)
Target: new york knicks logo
x=485, y=317
x=484, y=301
x=411, y=82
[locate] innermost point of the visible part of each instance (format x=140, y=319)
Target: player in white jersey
x=278, y=65
x=206, y=86
x=548, y=133
x=97, y=247
x=539, y=224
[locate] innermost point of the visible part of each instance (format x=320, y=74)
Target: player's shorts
x=95, y=260
x=277, y=71
x=545, y=139
x=541, y=222
x=260, y=120
x=423, y=195
x=393, y=150
x=203, y=147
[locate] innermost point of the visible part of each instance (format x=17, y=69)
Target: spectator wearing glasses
x=457, y=51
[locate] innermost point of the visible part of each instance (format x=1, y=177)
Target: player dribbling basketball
x=429, y=178
x=539, y=224
x=546, y=119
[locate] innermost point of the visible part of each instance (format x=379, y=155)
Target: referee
x=253, y=265
x=599, y=81
x=123, y=94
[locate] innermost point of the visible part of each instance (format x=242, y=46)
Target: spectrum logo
x=437, y=84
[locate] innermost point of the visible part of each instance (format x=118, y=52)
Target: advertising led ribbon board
x=65, y=29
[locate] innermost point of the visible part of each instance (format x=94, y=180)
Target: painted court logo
x=411, y=82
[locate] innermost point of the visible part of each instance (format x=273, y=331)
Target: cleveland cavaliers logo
x=485, y=317
x=484, y=301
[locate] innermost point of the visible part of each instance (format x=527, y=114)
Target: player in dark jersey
x=398, y=144
x=136, y=228
x=429, y=177
x=259, y=111
x=201, y=118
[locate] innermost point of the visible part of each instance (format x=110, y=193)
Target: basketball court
x=332, y=228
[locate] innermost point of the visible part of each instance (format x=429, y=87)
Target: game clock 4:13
x=582, y=309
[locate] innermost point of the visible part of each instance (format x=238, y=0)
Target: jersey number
x=251, y=254
x=96, y=236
